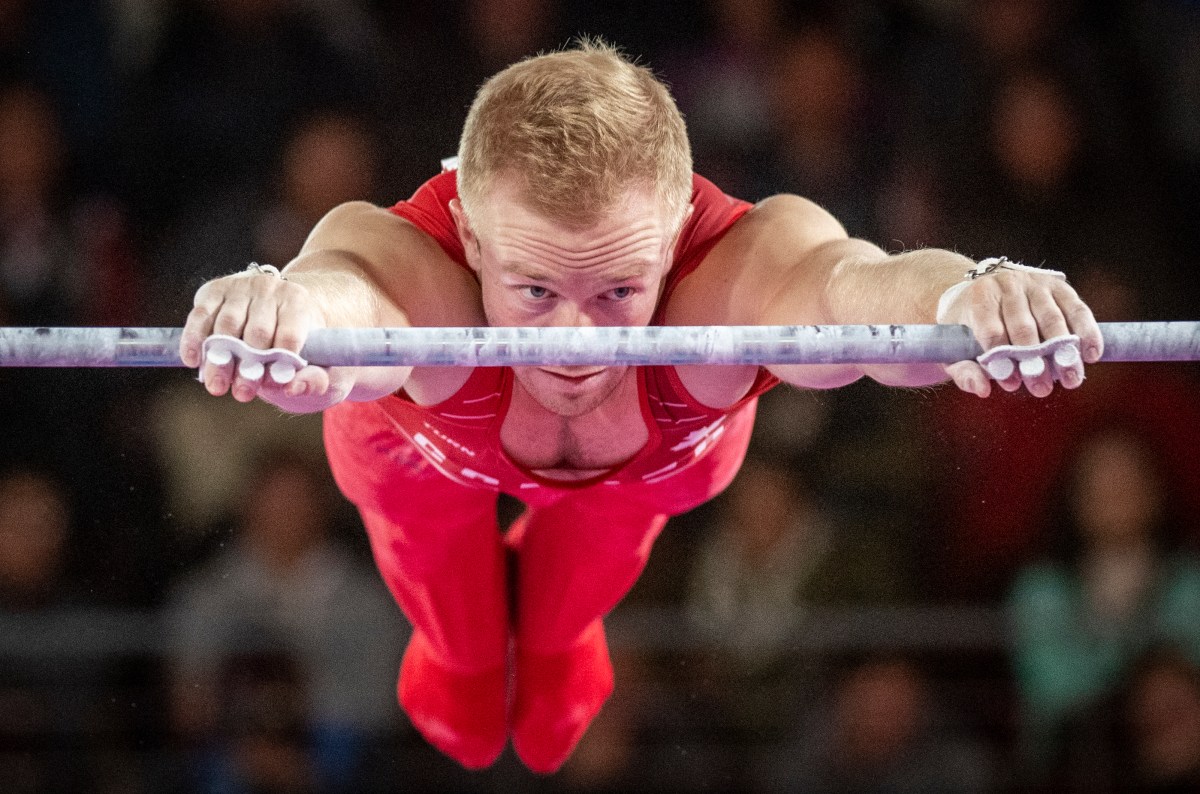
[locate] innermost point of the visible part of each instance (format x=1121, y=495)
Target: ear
x=466, y=235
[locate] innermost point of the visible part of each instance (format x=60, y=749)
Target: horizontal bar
x=653, y=345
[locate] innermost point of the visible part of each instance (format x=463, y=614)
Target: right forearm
x=348, y=297
x=340, y=284
x=354, y=270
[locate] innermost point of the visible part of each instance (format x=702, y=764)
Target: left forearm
x=851, y=282
x=809, y=272
x=903, y=288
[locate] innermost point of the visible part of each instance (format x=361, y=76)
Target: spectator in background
x=1115, y=587
x=619, y=754
x=35, y=519
x=65, y=47
x=263, y=745
x=229, y=80
x=329, y=157
x=48, y=705
x=819, y=111
x=285, y=584
x=1162, y=709
x=34, y=522
x=63, y=260
x=719, y=82
x=1004, y=457
x=879, y=729
x=1036, y=156
x=1167, y=43
x=770, y=556
x=66, y=259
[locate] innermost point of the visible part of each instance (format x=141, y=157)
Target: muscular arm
x=789, y=262
x=361, y=267
x=848, y=281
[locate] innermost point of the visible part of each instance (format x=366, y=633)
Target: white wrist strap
x=270, y=270
x=983, y=268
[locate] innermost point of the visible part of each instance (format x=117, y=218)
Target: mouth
x=573, y=378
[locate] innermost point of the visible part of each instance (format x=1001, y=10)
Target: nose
x=569, y=314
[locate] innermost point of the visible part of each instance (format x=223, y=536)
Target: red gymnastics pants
x=439, y=548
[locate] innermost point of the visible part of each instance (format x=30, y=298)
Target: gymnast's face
x=534, y=271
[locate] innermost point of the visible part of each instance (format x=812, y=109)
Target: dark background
x=876, y=607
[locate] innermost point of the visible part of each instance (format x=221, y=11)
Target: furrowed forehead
x=621, y=272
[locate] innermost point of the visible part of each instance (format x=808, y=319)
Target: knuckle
x=1022, y=330
x=289, y=337
x=1078, y=311
x=228, y=323
x=1046, y=316
x=197, y=320
x=1065, y=294
x=205, y=294
x=257, y=334
x=986, y=331
x=992, y=336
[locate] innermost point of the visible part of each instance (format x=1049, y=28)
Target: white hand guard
x=1060, y=354
x=282, y=364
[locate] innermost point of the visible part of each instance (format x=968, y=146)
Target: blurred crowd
x=903, y=590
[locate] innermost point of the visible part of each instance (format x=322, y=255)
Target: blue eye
x=536, y=292
x=621, y=293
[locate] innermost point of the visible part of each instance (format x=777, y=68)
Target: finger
x=309, y=382
x=198, y=326
x=261, y=319
x=217, y=378
x=970, y=377
x=1082, y=323
x=292, y=325
x=1019, y=323
x=281, y=372
x=245, y=389
x=215, y=368
x=1047, y=314
x=985, y=318
x=231, y=318
x=1037, y=376
x=250, y=378
x=1012, y=382
x=1069, y=366
x=320, y=395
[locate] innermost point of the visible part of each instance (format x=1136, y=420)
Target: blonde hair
x=579, y=127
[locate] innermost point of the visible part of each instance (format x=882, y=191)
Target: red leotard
x=461, y=435
x=426, y=479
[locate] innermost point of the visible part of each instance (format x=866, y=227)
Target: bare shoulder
x=743, y=271
x=796, y=215
x=737, y=279
x=409, y=266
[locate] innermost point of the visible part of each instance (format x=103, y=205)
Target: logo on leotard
x=701, y=439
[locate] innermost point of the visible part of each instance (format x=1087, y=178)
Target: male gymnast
x=573, y=204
